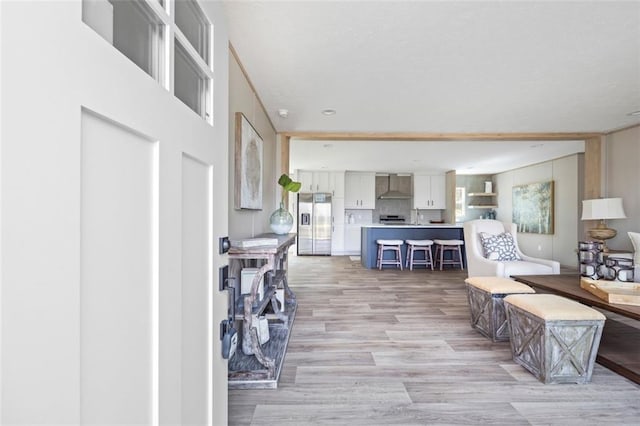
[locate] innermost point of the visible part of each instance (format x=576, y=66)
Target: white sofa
x=635, y=241
x=478, y=265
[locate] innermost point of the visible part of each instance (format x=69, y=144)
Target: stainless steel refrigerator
x=314, y=224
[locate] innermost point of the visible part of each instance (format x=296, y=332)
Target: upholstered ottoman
x=555, y=338
x=485, y=303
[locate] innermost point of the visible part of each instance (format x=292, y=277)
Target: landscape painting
x=248, y=165
x=533, y=207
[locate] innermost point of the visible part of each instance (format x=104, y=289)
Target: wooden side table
x=256, y=365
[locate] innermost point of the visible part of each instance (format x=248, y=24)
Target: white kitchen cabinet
x=360, y=190
x=322, y=181
x=337, y=211
x=337, y=226
x=429, y=191
x=352, y=239
x=337, y=240
x=336, y=183
x=438, y=192
x=305, y=177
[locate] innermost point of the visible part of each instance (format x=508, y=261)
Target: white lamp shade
x=603, y=208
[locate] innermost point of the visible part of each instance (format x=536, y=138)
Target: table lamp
x=602, y=209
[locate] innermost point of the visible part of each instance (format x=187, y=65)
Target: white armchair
x=478, y=265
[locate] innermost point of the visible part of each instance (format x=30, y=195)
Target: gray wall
x=248, y=223
x=622, y=179
x=562, y=243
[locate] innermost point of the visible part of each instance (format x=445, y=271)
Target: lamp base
x=602, y=233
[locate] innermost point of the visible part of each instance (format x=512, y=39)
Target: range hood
x=393, y=193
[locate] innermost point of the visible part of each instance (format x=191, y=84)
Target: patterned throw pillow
x=499, y=247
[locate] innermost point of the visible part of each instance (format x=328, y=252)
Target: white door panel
x=119, y=287
x=197, y=321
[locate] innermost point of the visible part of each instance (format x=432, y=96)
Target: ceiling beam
x=400, y=136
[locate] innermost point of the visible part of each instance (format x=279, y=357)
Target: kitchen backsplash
x=395, y=207
x=361, y=217
x=424, y=216
x=403, y=208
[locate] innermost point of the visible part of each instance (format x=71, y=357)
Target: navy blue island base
x=371, y=233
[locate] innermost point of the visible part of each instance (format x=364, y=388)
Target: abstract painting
x=533, y=207
x=248, y=165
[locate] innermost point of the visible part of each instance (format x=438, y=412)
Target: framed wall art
x=248, y=165
x=533, y=207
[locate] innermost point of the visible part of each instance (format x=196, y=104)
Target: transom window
x=194, y=26
x=191, y=86
x=142, y=30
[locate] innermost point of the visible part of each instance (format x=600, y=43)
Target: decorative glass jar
x=281, y=221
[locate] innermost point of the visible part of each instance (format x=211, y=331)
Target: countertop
x=407, y=226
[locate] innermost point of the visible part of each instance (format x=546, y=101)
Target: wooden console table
x=620, y=343
x=255, y=365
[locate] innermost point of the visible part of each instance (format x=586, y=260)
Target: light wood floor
x=373, y=347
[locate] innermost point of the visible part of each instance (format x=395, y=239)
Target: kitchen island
x=373, y=232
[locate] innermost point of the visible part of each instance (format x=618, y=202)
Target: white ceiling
x=441, y=67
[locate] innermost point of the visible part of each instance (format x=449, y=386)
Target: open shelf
x=482, y=194
x=484, y=202
x=246, y=372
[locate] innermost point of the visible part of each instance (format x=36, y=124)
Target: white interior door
x=109, y=296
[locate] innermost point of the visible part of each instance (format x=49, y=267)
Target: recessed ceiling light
x=284, y=113
x=634, y=113
x=328, y=111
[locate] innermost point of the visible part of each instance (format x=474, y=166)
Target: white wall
x=621, y=179
x=562, y=243
x=248, y=223
x=53, y=65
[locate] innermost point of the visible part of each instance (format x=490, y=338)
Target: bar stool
x=419, y=245
x=449, y=245
x=394, y=246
